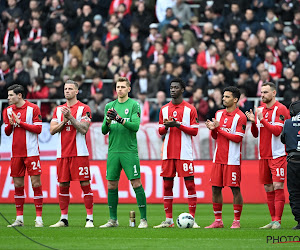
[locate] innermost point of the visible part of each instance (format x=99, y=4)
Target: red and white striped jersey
x=178, y=141
x=25, y=135
x=268, y=131
x=70, y=141
x=229, y=136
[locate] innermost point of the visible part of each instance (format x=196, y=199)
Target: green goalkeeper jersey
x=122, y=138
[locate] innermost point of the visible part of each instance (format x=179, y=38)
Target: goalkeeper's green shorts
x=130, y=162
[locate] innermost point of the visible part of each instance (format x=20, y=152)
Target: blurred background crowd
x=209, y=44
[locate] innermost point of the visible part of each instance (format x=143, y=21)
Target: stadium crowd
x=209, y=44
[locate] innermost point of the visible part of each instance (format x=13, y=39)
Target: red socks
x=279, y=204
x=19, y=200
x=168, y=198
x=88, y=199
x=38, y=200
x=271, y=203
x=192, y=196
x=64, y=199
x=237, y=208
x=217, y=207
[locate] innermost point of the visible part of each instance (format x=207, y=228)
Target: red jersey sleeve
x=194, y=123
x=36, y=127
x=8, y=127
x=54, y=117
x=86, y=114
x=281, y=116
x=161, y=127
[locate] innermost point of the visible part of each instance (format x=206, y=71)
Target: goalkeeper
x=122, y=121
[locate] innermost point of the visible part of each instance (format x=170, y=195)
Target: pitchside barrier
x=252, y=190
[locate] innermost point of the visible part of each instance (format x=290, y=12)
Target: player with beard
x=178, y=121
x=228, y=129
x=71, y=121
x=267, y=124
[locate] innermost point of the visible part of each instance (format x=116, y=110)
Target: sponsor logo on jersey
x=175, y=113
x=266, y=115
x=126, y=111
x=19, y=115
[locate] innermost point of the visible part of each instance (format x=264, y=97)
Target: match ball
x=185, y=220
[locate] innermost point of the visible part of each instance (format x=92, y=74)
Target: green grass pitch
x=76, y=236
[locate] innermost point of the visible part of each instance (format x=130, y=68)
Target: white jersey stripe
x=80, y=138
x=278, y=148
x=165, y=111
x=218, y=118
x=234, y=152
x=59, y=114
x=186, y=152
x=31, y=138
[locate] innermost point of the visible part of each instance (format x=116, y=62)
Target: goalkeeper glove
x=113, y=115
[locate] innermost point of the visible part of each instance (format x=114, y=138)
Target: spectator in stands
x=293, y=93
x=293, y=61
x=95, y=58
x=296, y=23
x=285, y=83
x=25, y=50
x=66, y=51
x=213, y=84
x=182, y=11
x=167, y=19
x=114, y=6
x=134, y=36
x=207, y=59
x=12, y=12
x=240, y=55
x=215, y=103
x=199, y=103
x=43, y=51
x=55, y=14
x=268, y=24
x=97, y=105
x=250, y=24
x=287, y=39
x=232, y=35
x=215, y=19
x=181, y=57
x=72, y=70
x=84, y=89
x=273, y=65
x=20, y=76
x=243, y=104
x=11, y=38
x=125, y=71
x=39, y=90
x=144, y=84
x=5, y=77
x=231, y=64
x=153, y=73
x=260, y=78
x=158, y=50
x=287, y=8
x=197, y=77
x=156, y=106
x=98, y=28
x=195, y=27
x=271, y=46
x=85, y=36
x=245, y=82
x=56, y=89
x=167, y=76
x=252, y=60
x=260, y=7
x=32, y=67
x=235, y=15
x=85, y=14
x=35, y=33
x=54, y=69
x=161, y=6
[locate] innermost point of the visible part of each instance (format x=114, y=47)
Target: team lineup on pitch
x=178, y=124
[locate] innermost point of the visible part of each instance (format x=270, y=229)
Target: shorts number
x=279, y=171
x=186, y=167
x=83, y=170
x=233, y=176
x=35, y=165
x=134, y=169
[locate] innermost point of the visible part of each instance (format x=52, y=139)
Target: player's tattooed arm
x=56, y=127
x=81, y=127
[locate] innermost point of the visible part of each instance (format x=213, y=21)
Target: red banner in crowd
x=252, y=190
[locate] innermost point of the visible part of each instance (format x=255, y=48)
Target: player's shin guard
x=192, y=196
x=88, y=200
x=112, y=200
x=279, y=204
x=217, y=207
x=141, y=201
x=168, y=198
x=38, y=200
x=237, y=209
x=64, y=199
x=19, y=200
x=271, y=203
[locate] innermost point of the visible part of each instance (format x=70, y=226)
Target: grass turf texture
x=76, y=236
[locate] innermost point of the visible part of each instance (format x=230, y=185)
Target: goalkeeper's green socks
x=112, y=200
x=141, y=201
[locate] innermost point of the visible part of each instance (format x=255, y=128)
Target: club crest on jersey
x=225, y=120
x=175, y=113
x=267, y=114
x=19, y=115
x=126, y=111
